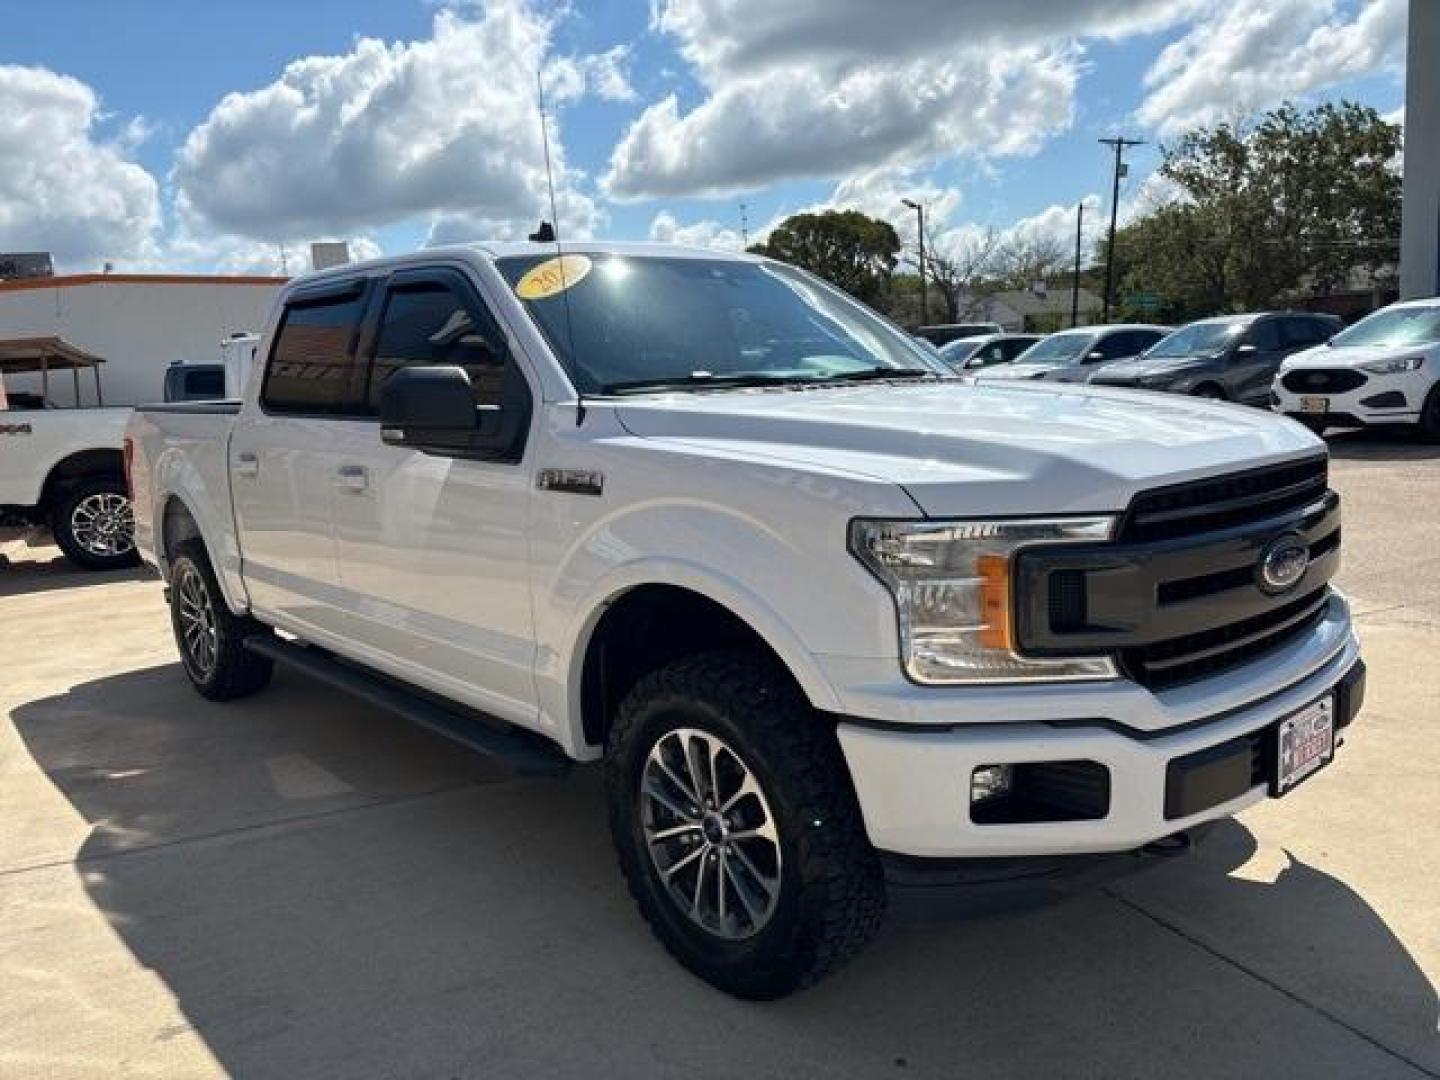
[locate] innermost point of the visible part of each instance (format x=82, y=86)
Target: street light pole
x=1119, y=143
x=920, y=217
x=1075, y=285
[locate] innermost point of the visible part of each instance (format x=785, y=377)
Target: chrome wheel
x=103, y=525
x=196, y=614
x=710, y=833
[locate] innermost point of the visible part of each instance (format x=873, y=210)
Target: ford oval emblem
x=1282, y=564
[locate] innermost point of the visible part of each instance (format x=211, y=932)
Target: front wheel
x=94, y=525
x=737, y=826
x=1430, y=416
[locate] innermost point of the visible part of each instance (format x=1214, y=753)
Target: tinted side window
x=1302, y=331
x=432, y=324
x=1114, y=346
x=1011, y=349
x=1265, y=335
x=991, y=354
x=209, y=383
x=312, y=365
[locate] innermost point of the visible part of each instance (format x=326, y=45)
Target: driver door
x=1250, y=372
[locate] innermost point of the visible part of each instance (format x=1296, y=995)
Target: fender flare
x=723, y=590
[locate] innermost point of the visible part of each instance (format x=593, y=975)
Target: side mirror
x=433, y=410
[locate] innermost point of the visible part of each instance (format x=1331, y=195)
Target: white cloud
x=804, y=121
x=61, y=189
x=606, y=75
x=665, y=229
x=447, y=125
x=1240, y=56
x=732, y=36
x=812, y=88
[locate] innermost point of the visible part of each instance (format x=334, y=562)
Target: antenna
x=555, y=233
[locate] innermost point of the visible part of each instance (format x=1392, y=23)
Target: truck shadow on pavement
x=20, y=575
x=1381, y=444
x=327, y=891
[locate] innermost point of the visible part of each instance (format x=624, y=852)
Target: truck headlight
x=953, y=590
x=1395, y=366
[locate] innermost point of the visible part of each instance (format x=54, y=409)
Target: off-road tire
x=831, y=897
x=235, y=671
x=63, y=524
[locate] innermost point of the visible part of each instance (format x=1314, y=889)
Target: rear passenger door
x=283, y=457
x=433, y=557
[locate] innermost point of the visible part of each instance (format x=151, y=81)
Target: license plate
x=1315, y=404
x=1304, y=743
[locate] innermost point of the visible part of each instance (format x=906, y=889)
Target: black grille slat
x=1322, y=380
x=1238, y=499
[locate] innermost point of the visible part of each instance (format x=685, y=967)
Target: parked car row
x=1382, y=370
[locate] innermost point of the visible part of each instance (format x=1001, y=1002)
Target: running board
x=527, y=754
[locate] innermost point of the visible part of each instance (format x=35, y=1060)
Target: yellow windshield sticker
x=553, y=276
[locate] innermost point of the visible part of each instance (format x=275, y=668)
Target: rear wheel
x=94, y=524
x=737, y=827
x=211, y=637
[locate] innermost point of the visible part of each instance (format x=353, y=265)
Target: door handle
x=352, y=477
x=247, y=465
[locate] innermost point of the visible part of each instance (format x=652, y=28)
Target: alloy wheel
x=711, y=833
x=103, y=525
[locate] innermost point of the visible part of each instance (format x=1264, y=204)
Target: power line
x=1119, y=143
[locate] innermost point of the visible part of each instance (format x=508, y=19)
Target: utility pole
x=1119, y=143
x=1075, y=285
x=920, y=215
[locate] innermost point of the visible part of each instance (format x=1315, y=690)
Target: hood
x=1351, y=356
x=1141, y=367
x=961, y=449
x=1032, y=370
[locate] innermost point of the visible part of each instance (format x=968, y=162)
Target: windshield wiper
x=881, y=372
x=701, y=381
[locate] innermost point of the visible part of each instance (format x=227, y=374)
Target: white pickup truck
x=832, y=619
x=61, y=466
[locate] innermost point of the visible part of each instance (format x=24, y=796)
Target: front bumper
x=1381, y=399
x=913, y=780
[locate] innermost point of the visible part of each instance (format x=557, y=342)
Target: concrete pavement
x=297, y=885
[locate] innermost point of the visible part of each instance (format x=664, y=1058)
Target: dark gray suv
x=1231, y=358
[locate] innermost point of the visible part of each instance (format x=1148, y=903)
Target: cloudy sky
x=178, y=135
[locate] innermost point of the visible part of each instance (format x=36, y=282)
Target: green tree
x=847, y=248
x=1293, y=202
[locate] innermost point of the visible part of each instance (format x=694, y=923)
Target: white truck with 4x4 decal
x=61, y=467
x=832, y=619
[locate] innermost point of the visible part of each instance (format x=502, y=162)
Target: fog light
x=989, y=782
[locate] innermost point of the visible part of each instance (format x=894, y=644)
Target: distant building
x=1041, y=309
x=138, y=323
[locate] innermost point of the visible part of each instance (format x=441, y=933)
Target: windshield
x=1393, y=326
x=1197, y=339
x=1057, y=349
x=622, y=323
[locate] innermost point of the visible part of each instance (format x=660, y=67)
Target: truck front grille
x=1322, y=381
x=1178, y=597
